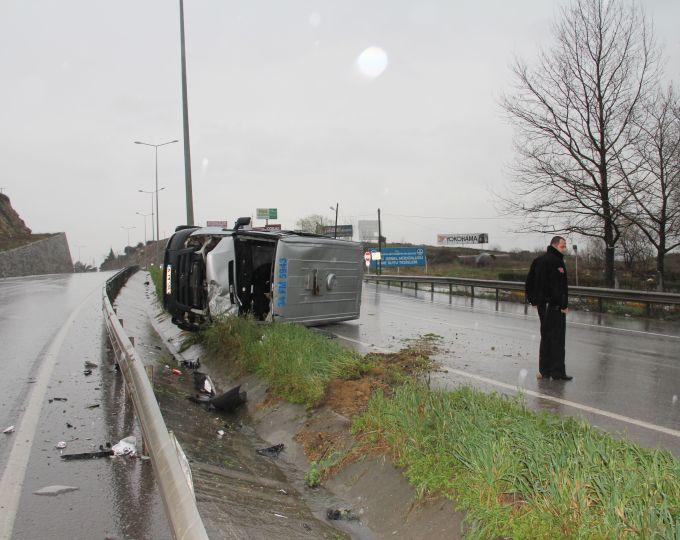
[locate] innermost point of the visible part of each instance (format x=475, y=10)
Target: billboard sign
x=270, y=227
x=344, y=231
x=217, y=223
x=455, y=239
x=402, y=256
x=267, y=213
x=368, y=230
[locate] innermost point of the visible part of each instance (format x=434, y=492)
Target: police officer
x=546, y=288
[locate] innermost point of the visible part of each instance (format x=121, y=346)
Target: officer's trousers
x=553, y=332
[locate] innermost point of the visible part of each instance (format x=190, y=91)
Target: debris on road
x=125, y=447
x=60, y=445
x=58, y=399
x=90, y=365
x=272, y=451
x=87, y=455
x=93, y=406
x=203, y=383
x=192, y=364
x=230, y=400
x=55, y=490
x=176, y=371
x=68, y=425
x=87, y=372
x=8, y=430
x=334, y=514
x=220, y=432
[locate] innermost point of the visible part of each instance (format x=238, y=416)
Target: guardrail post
x=432, y=287
x=472, y=291
x=497, y=299
x=600, y=305
x=389, y=284
x=648, y=308
x=416, y=286
x=450, y=290
x=401, y=286
x=526, y=307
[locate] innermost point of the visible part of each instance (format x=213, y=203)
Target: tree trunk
x=660, y=255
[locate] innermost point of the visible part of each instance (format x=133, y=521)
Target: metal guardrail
x=624, y=295
x=174, y=487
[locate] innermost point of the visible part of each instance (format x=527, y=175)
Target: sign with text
x=267, y=213
x=344, y=231
x=402, y=256
x=368, y=230
x=455, y=239
x=218, y=223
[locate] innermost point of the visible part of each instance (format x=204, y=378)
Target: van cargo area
x=269, y=275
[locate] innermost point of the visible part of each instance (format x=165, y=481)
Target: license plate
x=168, y=279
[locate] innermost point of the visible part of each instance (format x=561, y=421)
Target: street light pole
x=185, y=120
x=145, y=216
x=128, y=232
x=335, y=235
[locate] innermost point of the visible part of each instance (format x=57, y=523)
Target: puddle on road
x=239, y=492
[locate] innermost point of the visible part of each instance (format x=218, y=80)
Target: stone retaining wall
x=48, y=256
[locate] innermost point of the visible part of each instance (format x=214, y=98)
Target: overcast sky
x=284, y=111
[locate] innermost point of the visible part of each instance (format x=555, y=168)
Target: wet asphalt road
x=49, y=326
x=622, y=367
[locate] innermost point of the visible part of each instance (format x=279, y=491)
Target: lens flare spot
x=372, y=62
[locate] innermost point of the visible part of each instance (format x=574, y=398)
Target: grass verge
x=156, y=277
x=522, y=474
x=296, y=363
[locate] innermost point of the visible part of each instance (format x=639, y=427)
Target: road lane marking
x=13, y=476
x=413, y=300
x=547, y=397
x=574, y=404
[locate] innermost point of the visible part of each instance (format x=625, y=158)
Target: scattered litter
x=93, y=406
x=227, y=402
x=280, y=515
x=220, y=432
x=283, y=491
x=87, y=372
x=9, y=430
x=335, y=514
x=125, y=447
x=176, y=371
x=90, y=365
x=230, y=400
x=203, y=383
x=58, y=399
x=60, y=445
x=54, y=490
x=145, y=458
x=306, y=527
x=272, y=451
x=508, y=355
x=192, y=364
x=146, y=283
x=69, y=425
x=87, y=455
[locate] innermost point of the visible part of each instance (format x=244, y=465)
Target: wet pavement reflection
x=624, y=366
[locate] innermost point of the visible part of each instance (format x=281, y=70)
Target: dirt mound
x=11, y=225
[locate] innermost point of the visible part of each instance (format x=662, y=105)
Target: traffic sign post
x=367, y=258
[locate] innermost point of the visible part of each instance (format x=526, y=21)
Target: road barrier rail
x=648, y=298
x=174, y=486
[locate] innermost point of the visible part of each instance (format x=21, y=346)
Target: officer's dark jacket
x=547, y=280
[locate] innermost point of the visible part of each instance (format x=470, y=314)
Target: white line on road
x=547, y=397
x=14, y=474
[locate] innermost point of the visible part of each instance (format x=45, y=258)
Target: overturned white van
x=271, y=275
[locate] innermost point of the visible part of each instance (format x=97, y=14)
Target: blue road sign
x=404, y=256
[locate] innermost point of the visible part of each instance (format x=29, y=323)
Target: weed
x=156, y=276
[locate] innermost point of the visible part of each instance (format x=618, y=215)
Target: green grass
x=296, y=363
x=522, y=474
x=156, y=277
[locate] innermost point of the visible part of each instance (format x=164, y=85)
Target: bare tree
x=654, y=180
x=572, y=114
x=313, y=223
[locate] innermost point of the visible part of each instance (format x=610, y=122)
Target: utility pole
x=185, y=118
x=379, y=244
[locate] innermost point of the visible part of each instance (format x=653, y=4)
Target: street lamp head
x=139, y=142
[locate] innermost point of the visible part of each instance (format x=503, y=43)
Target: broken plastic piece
x=55, y=490
x=230, y=400
x=90, y=365
x=60, y=399
x=60, y=445
x=203, y=383
x=93, y=406
x=125, y=447
x=272, y=451
x=87, y=455
x=220, y=432
x=9, y=430
x=87, y=372
x=176, y=371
